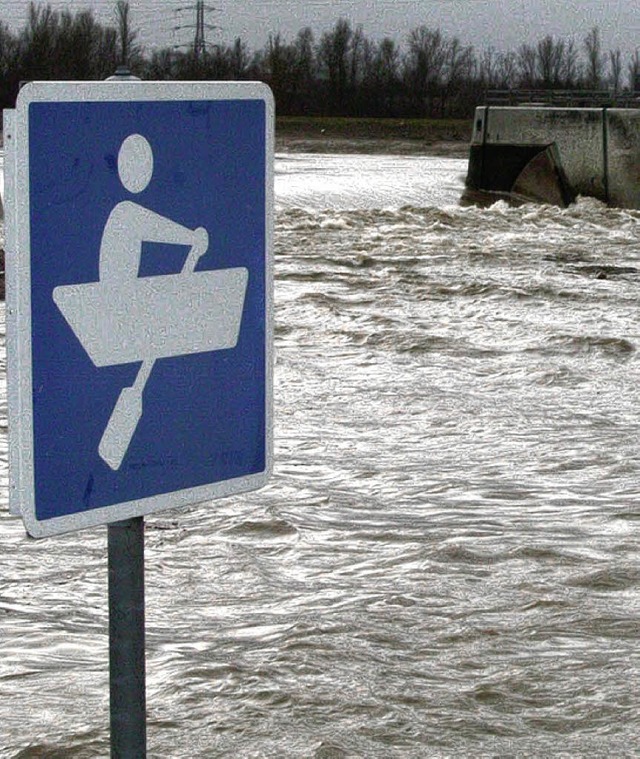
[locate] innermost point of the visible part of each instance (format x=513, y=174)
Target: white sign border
x=18, y=300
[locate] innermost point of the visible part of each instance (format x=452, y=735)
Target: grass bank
x=368, y=135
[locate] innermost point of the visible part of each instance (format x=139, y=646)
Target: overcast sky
x=502, y=24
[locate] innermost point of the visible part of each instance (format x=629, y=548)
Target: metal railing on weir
x=564, y=98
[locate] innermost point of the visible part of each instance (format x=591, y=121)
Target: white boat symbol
x=155, y=317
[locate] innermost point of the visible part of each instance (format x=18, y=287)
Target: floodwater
x=446, y=562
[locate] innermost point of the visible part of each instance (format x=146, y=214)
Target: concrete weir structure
x=555, y=154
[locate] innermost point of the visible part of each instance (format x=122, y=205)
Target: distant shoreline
x=435, y=137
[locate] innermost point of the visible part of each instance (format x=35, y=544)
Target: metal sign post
x=126, y=639
x=127, y=669
x=139, y=321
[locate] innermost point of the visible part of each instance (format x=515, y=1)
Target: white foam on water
x=366, y=181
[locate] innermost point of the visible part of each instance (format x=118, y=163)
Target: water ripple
x=445, y=562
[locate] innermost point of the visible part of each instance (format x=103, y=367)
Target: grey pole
x=126, y=639
x=127, y=672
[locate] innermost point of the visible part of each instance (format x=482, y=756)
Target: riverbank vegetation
x=341, y=72
x=349, y=134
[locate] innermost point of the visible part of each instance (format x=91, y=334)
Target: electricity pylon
x=199, y=42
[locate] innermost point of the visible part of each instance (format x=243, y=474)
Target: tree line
x=340, y=72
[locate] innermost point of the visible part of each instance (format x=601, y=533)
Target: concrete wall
x=577, y=132
x=599, y=148
x=623, y=156
x=477, y=136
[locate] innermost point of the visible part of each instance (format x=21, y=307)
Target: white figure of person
x=130, y=224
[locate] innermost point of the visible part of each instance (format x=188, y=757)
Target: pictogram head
x=135, y=163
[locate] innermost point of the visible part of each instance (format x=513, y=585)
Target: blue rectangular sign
x=141, y=298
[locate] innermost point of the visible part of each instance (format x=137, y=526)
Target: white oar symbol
x=124, y=318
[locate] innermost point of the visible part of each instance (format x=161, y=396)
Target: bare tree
x=305, y=57
x=280, y=65
x=634, y=71
x=488, y=69
x=378, y=89
x=333, y=53
x=595, y=58
x=38, y=42
x=527, y=60
x=128, y=51
x=356, y=61
x=8, y=50
x=387, y=59
x=615, y=64
x=161, y=65
x=305, y=70
x=75, y=40
x=458, y=67
x=506, y=70
x=239, y=58
x=9, y=68
x=570, y=65
x=384, y=79
x=549, y=59
x=424, y=64
x=276, y=60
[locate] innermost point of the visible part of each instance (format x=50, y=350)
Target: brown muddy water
x=446, y=562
